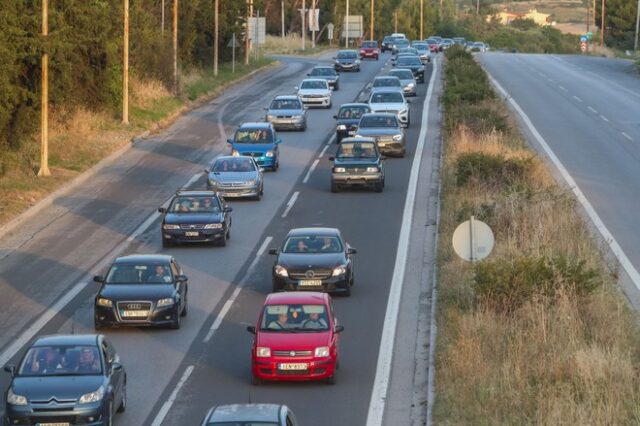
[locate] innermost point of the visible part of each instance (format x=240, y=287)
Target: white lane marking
x=164, y=410
x=593, y=110
x=627, y=136
x=604, y=118
x=311, y=169
x=290, y=203
x=564, y=89
x=324, y=150
x=577, y=98
x=593, y=215
x=227, y=305
x=193, y=179
x=385, y=354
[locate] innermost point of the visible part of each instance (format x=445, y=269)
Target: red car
x=369, y=49
x=296, y=339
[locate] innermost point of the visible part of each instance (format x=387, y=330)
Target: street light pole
x=372, y=20
x=44, y=100
x=246, y=37
x=346, y=27
x=216, y=7
x=312, y=24
x=282, y=16
x=304, y=28
x=175, y=46
x=602, y=25
x=125, y=66
x=635, y=43
x=421, y=19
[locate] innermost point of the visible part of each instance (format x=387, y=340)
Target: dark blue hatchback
x=257, y=140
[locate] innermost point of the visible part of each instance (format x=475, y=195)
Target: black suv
x=357, y=163
x=141, y=290
x=413, y=63
x=196, y=216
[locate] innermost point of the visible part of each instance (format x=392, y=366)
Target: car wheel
x=229, y=232
x=347, y=289
x=304, y=127
x=379, y=187
x=123, y=403
x=331, y=380
x=109, y=421
x=377, y=58
x=97, y=325
x=274, y=287
x=176, y=323
x=223, y=241
x=259, y=196
x=185, y=311
x=334, y=187
x=255, y=381
x=404, y=151
x=165, y=243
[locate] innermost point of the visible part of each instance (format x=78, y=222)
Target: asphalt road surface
x=586, y=110
x=175, y=376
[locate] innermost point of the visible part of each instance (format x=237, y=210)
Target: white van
x=401, y=35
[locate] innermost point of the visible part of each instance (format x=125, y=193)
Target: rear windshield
x=402, y=74
x=387, y=97
x=378, y=121
x=139, y=273
x=386, y=82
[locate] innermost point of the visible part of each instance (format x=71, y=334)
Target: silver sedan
x=287, y=112
x=235, y=176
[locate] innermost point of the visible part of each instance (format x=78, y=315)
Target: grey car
x=328, y=73
x=423, y=51
x=385, y=128
x=250, y=414
x=385, y=82
x=235, y=176
x=287, y=112
x=407, y=80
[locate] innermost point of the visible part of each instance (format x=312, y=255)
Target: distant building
x=505, y=17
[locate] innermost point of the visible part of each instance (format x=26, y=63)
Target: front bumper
x=372, y=54
x=409, y=91
x=203, y=235
x=317, y=368
x=359, y=179
x=287, y=122
x=236, y=192
x=111, y=317
x=321, y=101
x=85, y=415
x=391, y=148
x=337, y=284
x=349, y=67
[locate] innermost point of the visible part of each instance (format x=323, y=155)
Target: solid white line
x=227, y=305
x=593, y=110
x=577, y=98
x=627, y=136
x=290, y=204
x=164, y=410
x=311, y=169
x=324, y=150
x=598, y=223
x=564, y=89
x=385, y=354
x=604, y=118
x=193, y=179
x=143, y=227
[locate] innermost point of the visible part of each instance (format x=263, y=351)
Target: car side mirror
x=181, y=278
x=162, y=210
x=382, y=158
x=228, y=209
x=229, y=141
x=10, y=368
x=273, y=251
x=278, y=141
x=332, y=158
x=116, y=366
x=260, y=169
x=207, y=171
x=295, y=88
x=338, y=329
x=408, y=101
x=308, y=74
x=251, y=329
x=351, y=250
x=335, y=117
x=98, y=278
x=333, y=57
x=265, y=108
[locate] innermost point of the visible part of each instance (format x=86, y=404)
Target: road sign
x=589, y=36
x=473, y=240
x=583, y=46
x=583, y=39
x=257, y=30
x=313, y=20
x=355, y=26
x=330, y=27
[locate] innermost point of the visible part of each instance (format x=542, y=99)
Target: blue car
x=257, y=140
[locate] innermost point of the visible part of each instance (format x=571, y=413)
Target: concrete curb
x=67, y=187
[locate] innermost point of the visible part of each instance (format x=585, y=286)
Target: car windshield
x=408, y=60
x=313, y=244
x=139, y=273
x=357, y=150
x=421, y=46
x=386, y=97
x=323, y=72
x=378, y=121
x=386, y=82
x=402, y=74
x=61, y=361
x=233, y=165
x=199, y=204
x=314, y=84
x=402, y=43
x=285, y=104
x=408, y=50
x=352, y=112
x=347, y=55
x=305, y=318
x=254, y=136
x=369, y=44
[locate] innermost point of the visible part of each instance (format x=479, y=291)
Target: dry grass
x=291, y=44
x=145, y=92
x=565, y=362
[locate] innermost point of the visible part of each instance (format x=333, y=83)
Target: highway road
x=583, y=114
x=175, y=376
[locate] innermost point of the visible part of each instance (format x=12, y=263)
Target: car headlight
x=269, y=154
x=271, y=117
x=421, y=69
x=410, y=85
x=166, y=302
x=104, y=302
x=213, y=183
x=357, y=61
x=341, y=127
x=249, y=182
x=235, y=152
x=96, y=396
x=339, y=170
x=169, y=226
x=322, y=352
x=403, y=111
x=14, y=399
x=397, y=137
x=281, y=271
x=340, y=270
x=372, y=170
x=213, y=226
x=263, y=352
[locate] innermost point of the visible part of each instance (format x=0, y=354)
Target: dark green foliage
x=506, y=284
x=494, y=170
x=466, y=81
x=478, y=118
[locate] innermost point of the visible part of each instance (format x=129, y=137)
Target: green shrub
x=505, y=285
x=479, y=119
x=494, y=170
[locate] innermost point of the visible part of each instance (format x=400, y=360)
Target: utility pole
x=346, y=27
x=304, y=28
x=246, y=37
x=421, y=19
x=44, y=99
x=216, y=7
x=312, y=24
x=162, y=27
x=282, y=16
x=477, y=7
x=125, y=66
x=372, y=37
x=395, y=18
x=635, y=43
x=602, y=25
x=175, y=46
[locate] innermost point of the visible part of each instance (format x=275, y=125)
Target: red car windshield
x=294, y=318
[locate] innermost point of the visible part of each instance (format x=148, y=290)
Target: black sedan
x=347, y=119
x=141, y=290
x=347, y=60
x=357, y=163
x=314, y=259
x=326, y=73
x=413, y=63
x=66, y=380
x=196, y=216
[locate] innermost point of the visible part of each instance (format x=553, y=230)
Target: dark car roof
x=135, y=258
x=313, y=230
x=67, y=339
x=234, y=413
x=255, y=125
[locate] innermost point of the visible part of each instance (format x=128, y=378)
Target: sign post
x=330, y=27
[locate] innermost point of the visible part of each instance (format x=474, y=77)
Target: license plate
x=52, y=424
x=135, y=313
x=293, y=366
x=310, y=283
x=191, y=233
